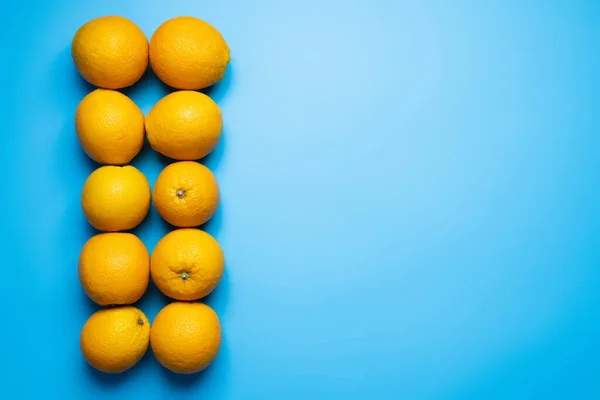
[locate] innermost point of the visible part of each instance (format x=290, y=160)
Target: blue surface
x=410, y=201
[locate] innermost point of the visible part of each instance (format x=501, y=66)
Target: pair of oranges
x=186, y=53
x=187, y=264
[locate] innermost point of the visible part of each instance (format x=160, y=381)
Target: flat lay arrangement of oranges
x=115, y=266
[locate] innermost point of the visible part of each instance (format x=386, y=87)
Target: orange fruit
x=110, y=52
x=110, y=127
x=186, y=337
x=184, y=125
x=188, y=53
x=114, y=268
x=187, y=264
x=115, y=198
x=186, y=194
x=115, y=339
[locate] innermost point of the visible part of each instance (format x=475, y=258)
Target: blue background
x=410, y=201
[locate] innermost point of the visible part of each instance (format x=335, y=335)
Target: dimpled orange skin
x=110, y=52
x=186, y=194
x=110, y=127
x=187, y=264
x=115, y=339
x=188, y=53
x=185, y=337
x=114, y=268
x=184, y=125
x=115, y=198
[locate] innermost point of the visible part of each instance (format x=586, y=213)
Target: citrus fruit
x=115, y=339
x=110, y=127
x=185, y=337
x=114, y=268
x=187, y=264
x=186, y=194
x=188, y=53
x=184, y=125
x=110, y=52
x=115, y=198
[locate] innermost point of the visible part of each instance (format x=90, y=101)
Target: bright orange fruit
x=186, y=337
x=110, y=52
x=188, y=53
x=186, y=194
x=187, y=264
x=115, y=339
x=114, y=268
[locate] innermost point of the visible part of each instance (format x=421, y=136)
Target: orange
x=115, y=339
x=188, y=53
x=115, y=198
x=184, y=125
x=114, y=268
x=110, y=127
x=186, y=337
x=187, y=264
x=186, y=194
x=110, y=52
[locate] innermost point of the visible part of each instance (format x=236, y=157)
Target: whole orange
x=114, y=268
x=115, y=339
x=110, y=52
x=184, y=125
x=110, y=127
x=188, y=53
x=186, y=194
x=115, y=198
x=186, y=337
x=187, y=264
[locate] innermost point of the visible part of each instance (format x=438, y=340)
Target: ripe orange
x=110, y=52
x=188, y=53
x=115, y=198
x=184, y=125
x=110, y=127
x=186, y=337
x=186, y=194
x=187, y=264
x=114, y=268
x=115, y=339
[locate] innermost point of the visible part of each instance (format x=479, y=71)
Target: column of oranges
x=186, y=265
